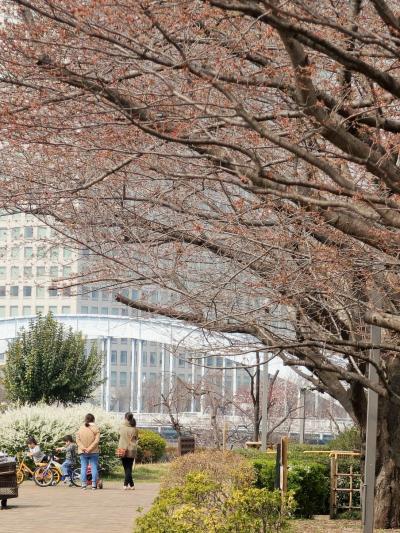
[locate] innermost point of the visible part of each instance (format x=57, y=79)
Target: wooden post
x=284, y=465
x=224, y=431
x=371, y=435
x=332, y=499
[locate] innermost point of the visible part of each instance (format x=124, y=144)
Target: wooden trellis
x=351, y=480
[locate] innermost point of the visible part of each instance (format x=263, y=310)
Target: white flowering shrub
x=48, y=424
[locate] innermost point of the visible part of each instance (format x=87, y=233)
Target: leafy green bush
x=151, y=446
x=202, y=504
x=308, y=481
x=350, y=440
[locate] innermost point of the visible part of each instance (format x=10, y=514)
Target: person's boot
x=4, y=505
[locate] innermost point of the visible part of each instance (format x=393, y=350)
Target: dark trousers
x=127, y=463
x=4, y=503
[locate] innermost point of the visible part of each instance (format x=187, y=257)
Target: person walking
x=87, y=439
x=127, y=447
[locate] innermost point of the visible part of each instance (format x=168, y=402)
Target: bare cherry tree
x=241, y=156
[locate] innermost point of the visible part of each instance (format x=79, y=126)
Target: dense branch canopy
x=241, y=155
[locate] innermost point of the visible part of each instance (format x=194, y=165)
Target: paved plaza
x=64, y=509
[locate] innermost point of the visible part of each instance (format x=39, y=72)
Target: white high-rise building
x=31, y=259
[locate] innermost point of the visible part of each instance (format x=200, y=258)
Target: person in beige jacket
x=87, y=439
x=128, y=437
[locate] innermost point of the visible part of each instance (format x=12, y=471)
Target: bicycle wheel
x=20, y=477
x=56, y=475
x=76, y=477
x=43, y=476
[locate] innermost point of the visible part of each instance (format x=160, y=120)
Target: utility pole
x=265, y=397
x=370, y=438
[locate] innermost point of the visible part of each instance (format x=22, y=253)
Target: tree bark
x=387, y=486
x=387, y=489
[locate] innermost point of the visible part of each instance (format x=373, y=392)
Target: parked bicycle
x=40, y=475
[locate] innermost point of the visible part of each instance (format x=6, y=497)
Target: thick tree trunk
x=387, y=487
x=387, y=495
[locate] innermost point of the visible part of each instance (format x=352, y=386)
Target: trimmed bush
x=151, y=446
x=203, y=504
x=308, y=481
x=227, y=468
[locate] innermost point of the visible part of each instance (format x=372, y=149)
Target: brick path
x=64, y=509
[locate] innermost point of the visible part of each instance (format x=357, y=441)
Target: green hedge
x=151, y=446
x=309, y=482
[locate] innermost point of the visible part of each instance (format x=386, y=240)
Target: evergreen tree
x=47, y=363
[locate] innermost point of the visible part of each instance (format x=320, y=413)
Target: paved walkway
x=64, y=509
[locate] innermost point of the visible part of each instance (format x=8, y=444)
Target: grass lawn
x=147, y=472
x=323, y=524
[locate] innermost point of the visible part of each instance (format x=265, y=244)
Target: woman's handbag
x=120, y=452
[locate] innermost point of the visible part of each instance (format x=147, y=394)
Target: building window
x=15, y=250
x=53, y=309
x=124, y=341
x=144, y=358
x=104, y=310
x=135, y=295
x=2, y=291
x=28, y=232
x=123, y=357
x=2, y=311
x=54, y=254
x=3, y=272
x=27, y=310
x=84, y=309
x=67, y=291
x=153, y=358
x=113, y=378
x=42, y=232
x=14, y=290
x=27, y=272
x=41, y=252
x=66, y=271
x=16, y=233
x=105, y=295
x=181, y=362
x=2, y=357
x=94, y=310
x=28, y=252
x=95, y=295
x=54, y=272
x=114, y=357
x=67, y=252
x=65, y=309
x=40, y=272
x=219, y=361
x=3, y=251
x=14, y=272
x=124, y=311
x=40, y=309
x=3, y=234
x=114, y=311
x=40, y=292
x=52, y=293
x=14, y=310
x=123, y=379
x=27, y=290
